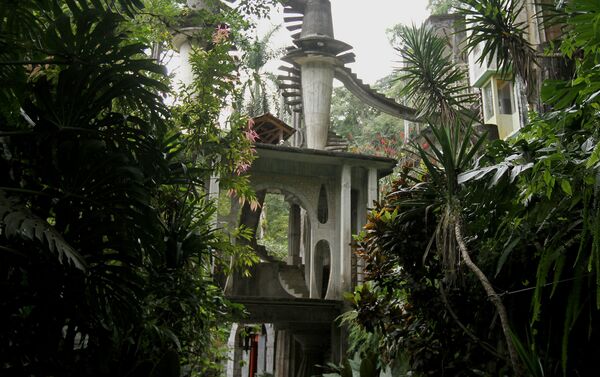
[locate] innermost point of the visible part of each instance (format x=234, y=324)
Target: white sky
x=362, y=24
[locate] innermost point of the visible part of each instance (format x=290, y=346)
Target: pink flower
x=221, y=33
x=242, y=167
x=250, y=133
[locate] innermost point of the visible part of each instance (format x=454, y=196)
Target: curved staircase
x=292, y=280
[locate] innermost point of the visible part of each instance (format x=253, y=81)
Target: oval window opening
x=322, y=210
x=322, y=267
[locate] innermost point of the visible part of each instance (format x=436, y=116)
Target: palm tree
x=256, y=89
x=438, y=88
x=496, y=28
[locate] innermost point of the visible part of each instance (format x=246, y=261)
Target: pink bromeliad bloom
x=250, y=133
x=242, y=167
x=221, y=34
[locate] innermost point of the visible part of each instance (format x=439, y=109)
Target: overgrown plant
x=106, y=242
x=529, y=211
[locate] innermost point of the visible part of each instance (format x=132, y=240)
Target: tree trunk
x=492, y=295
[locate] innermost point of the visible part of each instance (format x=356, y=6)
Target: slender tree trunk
x=492, y=295
x=464, y=328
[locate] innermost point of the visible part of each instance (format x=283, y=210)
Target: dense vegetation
x=106, y=245
x=368, y=130
x=273, y=226
x=484, y=257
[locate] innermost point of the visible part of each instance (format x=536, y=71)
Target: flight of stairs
x=292, y=280
x=336, y=143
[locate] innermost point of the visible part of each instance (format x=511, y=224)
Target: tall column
x=270, y=354
x=372, y=195
x=294, y=224
x=372, y=189
x=284, y=353
x=345, y=221
x=233, y=368
x=185, y=68
x=317, y=86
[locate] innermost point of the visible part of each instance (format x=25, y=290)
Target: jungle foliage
x=368, y=130
x=524, y=211
x=106, y=236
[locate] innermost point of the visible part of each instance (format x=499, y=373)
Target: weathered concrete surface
x=317, y=86
x=292, y=310
x=263, y=282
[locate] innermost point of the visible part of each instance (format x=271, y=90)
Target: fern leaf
x=17, y=221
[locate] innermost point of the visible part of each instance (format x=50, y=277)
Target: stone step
x=292, y=280
x=290, y=10
x=293, y=19
x=288, y=78
x=291, y=94
x=294, y=102
x=294, y=27
x=292, y=70
x=289, y=86
x=347, y=58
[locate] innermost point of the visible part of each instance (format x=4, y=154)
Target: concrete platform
x=288, y=310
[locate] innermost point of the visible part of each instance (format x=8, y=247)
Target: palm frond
x=436, y=85
x=494, y=27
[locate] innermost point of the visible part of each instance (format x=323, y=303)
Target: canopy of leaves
x=106, y=242
x=531, y=216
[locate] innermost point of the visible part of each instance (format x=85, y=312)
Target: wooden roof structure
x=272, y=130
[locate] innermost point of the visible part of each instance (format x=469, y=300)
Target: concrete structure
x=292, y=305
x=329, y=193
x=314, y=61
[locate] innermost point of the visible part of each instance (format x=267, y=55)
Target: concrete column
x=317, y=86
x=372, y=189
x=185, y=68
x=345, y=220
x=317, y=19
x=306, y=245
x=283, y=353
x=372, y=194
x=262, y=354
x=313, y=286
x=337, y=349
x=232, y=368
x=294, y=234
x=270, y=354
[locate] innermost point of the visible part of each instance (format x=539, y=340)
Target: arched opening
x=280, y=226
x=322, y=267
x=272, y=230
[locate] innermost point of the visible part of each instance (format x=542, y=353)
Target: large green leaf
x=17, y=222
